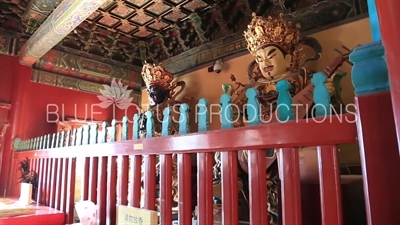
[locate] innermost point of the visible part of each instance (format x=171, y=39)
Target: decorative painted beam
x=9, y=42
x=64, y=19
x=36, y=12
x=73, y=83
x=87, y=68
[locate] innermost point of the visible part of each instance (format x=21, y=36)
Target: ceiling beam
x=64, y=19
x=36, y=12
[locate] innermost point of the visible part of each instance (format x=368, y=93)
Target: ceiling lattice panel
x=131, y=31
x=136, y=30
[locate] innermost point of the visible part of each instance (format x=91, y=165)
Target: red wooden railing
x=114, y=169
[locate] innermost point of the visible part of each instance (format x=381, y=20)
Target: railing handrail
x=281, y=135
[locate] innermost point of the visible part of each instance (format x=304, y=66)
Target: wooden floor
x=36, y=215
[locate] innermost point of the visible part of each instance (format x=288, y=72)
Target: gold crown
x=158, y=75
x=263, y=31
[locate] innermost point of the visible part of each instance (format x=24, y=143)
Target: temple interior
x=204, y=112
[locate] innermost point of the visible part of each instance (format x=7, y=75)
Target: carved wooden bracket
x=4, y=105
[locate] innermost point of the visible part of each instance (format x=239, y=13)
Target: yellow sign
x=138, y=146
x=135, y=216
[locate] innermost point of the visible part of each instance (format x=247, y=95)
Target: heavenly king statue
x=161, y=94
x=276, y=45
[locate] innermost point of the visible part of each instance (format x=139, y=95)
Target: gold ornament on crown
x=263, y=31
x=156, y=75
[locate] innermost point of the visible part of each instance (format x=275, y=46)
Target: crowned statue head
x=158, y=83
x=274, y=43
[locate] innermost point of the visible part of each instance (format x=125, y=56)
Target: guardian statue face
x=273, y=43
x=273, y=61
x=156, y=94
x=158, y=83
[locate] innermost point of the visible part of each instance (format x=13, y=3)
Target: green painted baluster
x=184, y=119
x=103, y=137
x=226, y=111
x=149, y=124
x=135, y=132
x=34, y=144
x=37, y=143
x=113, y=132
x=30, y=144
x=167, y=122
x=321, y=95
x=57, y=140
x=62, y=138
x=74, y=136
x=53, y=141
x=48, y=141
x=125, y=128
x=284, y=101
x=68, y=137
x=86, y=134
x=44, y=142
x=94, y=133
x=40, y=142
x=32, y=147
x=203, y=115
x=253, y=107
x=80, y=136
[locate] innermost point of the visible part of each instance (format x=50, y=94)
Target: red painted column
x=389, y=19
x=20, y=88
x=377, y=138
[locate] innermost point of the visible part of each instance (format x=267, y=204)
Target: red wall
x=32, y=102
x=6, y=74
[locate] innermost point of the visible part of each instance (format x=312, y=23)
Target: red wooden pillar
x=20, y=86
x=377, y=134
x=389, y=17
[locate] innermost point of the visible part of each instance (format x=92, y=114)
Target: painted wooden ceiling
x=132, y=31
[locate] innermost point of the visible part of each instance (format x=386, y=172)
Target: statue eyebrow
x=271, y=51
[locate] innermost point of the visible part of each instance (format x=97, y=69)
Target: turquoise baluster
x=53, y=141
x=41, y=141
x=68, y=142
x=135, y=133
x=113, y=135
x=125, y=128
x=74, y=137
x=86, y=134
x=184, y=119
x=284, y=102
x=149, y=124
x=57, y=140
x=203, y=116
x=104, y=132
x=167, y=122
x=62, y=134
x=79, y=136
x=226, y=111
x=321, y=95
x=94, y=133
x=48, y=142
x=253, y=107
